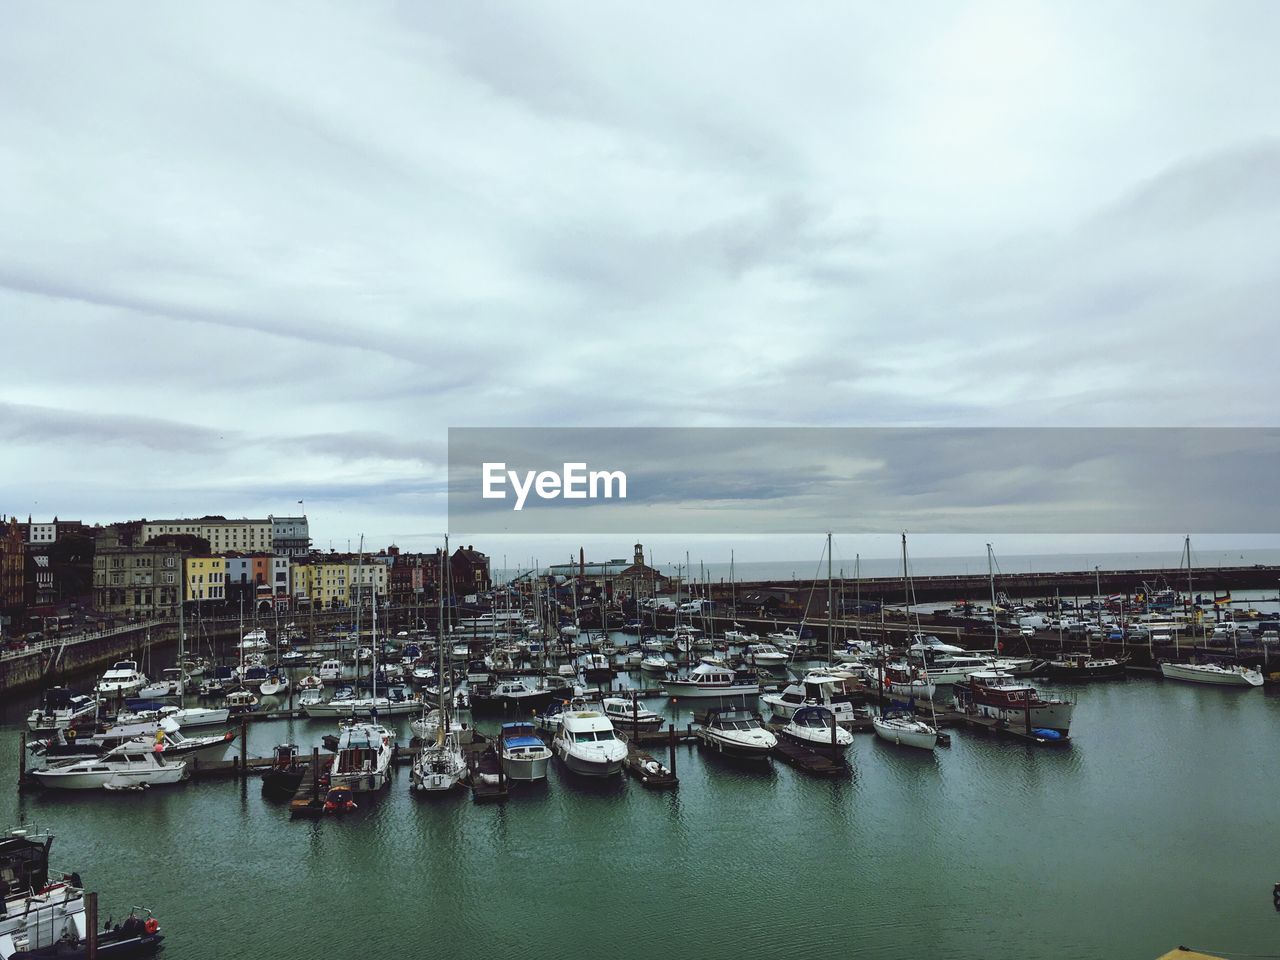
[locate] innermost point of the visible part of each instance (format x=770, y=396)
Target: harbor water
x=1154, y=827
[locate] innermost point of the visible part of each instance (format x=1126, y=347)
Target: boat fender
x=152, y=925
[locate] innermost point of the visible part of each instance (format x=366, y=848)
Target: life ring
x=152, y=925
x=70, y=733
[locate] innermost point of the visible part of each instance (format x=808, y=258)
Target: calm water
x=1156, y=827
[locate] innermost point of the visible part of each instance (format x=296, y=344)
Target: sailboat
x=439, y=765
x=903, y=727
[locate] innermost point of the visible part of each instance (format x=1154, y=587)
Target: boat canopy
x=813, y=716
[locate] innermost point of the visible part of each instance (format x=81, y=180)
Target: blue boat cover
x=812, y=713
x=522, y=742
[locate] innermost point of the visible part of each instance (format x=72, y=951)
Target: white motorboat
x=814, y=726
x=740, y=637
x=170, y=741
x=1214, y=674
x=362, y=761
x=737, y=733
x=655, y=645
x=122, y=680
x=764, y=655
x=656, y=663
x=254, y=640
x=60, y=709
x=524, y=755
x=439, y=766
x=587, y=745
x=331, y=671
x=197, y=716
x=389, y=706
x=902, y=681
x=630, y=715
x=310, y=682
x=905, y=730
x=708, y=681
x=39, y=910
x=931, y=645
x=816, y=689
x=945, y=669
x=240, y=702
x=118, y=766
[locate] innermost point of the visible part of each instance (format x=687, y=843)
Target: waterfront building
x=290, y=536
x=224, y=535
x=616, y=578
x=13, y=561
x=206, y=578
x=142, y=581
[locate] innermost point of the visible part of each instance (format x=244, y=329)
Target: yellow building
x=206, y=578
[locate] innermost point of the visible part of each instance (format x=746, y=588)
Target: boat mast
x=857, y=573
x=182, y=637
x=995, y=619
x=831, y=628
x=1097, y=589
x=443, y=700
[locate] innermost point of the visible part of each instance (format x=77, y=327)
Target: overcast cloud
x=261, y=253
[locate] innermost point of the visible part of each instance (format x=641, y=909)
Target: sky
x=261, y=254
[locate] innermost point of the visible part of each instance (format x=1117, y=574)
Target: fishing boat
x=587, y=745
x=817, y=727
x=705, y=681
x=59, y=709
x=1000, y=696
x=904, y=728
x=1214, y=674
x=362, y=760
x=124, y=678
x=118, y=766
x=524, y=755
x=1082, y=666
x=736, y=733
x=285, y=773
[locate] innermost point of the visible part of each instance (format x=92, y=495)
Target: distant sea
x=717, y=571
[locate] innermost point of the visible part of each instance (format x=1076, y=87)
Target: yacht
x=999, y=696
x=817, y=689
x=587, y=745
x=737, y=733
x=814, y=726
x=1082, y=666
x=740, y=637
x=170, y=741
x=630, y=715
x=60, y=709
x=254, y=640
x=944, y=669
x=1216, y=674
x=656, y=663
x=763, y=654
x=928, y=644
x=170, y=684
x=708, y=681
x=597, y=668
x=905, y=729
x=511, y=696
x=123, y=679
x=394, y=704
x=439, y=765
x=330, y=671
x=274, y=685
x=362, y=761
x=524, y=755
x=903, y=681
x=118, y=767
x=197, y=716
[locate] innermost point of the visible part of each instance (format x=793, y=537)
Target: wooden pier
x=815, y=761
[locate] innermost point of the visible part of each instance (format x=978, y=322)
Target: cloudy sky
x=261, y=253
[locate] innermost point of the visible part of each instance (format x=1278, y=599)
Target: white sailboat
x=1213, y=674
x=439, y=765
x=901, y=727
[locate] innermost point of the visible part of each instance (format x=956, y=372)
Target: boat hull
x=590, y=766
x=905, y=736
x=526, y=768
x=97, y=780
x=684, y=690
x=1228, y=678
x=742, y=750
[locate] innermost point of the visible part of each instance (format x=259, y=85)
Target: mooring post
x=244, y=747
x=91, y=925
x=671, y=744
x=22, y=759
x=315, y=773
x=835, y=740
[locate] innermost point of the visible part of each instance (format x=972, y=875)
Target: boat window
x=583, y=737
x=604, y=735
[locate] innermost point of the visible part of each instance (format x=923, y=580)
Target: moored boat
x=59, y=709
x=1213, y=674
x=586, y=743
x=817, y=727
x=705, y=681
x=996, y=695
x=117, y=766
x=1082, y=666
x=524, y=755
x=736, y=733
x=905, y=729
x=362, y=760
